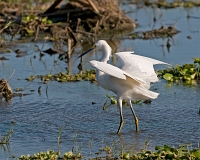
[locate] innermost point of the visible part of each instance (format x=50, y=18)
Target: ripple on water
x=171, y=119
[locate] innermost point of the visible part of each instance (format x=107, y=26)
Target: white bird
x=131, y=81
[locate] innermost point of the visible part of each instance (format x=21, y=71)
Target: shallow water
x=171, y=119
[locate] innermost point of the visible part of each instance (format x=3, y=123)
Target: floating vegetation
x=109, y=152
x=161, y=32
x=185, y=4
x=71, y=155
x=41, y=155
x=50, y=155
x=164, y=152
x=87, y=75
x=167, y=5
x=113, y=100
x=189, y=74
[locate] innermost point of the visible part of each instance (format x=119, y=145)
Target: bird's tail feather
x=153, y=95
x=144, y=93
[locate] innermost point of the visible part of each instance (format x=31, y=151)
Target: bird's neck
x=106, y=54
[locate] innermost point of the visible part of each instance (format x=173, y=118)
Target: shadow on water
x=171, y=119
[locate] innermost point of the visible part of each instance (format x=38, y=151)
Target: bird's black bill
x=86, y=52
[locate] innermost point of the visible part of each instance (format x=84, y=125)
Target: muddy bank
x=73, y=20
x=70, y=23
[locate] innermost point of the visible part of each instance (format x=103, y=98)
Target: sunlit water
x=171, y=119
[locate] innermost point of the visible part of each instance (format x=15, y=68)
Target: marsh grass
x=6, y=138
x=59, y=141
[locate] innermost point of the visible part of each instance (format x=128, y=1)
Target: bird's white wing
x=107, y=68
x=112, y=70
x=138, y=66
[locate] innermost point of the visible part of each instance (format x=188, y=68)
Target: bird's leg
x=121, y=116
x=135, y=117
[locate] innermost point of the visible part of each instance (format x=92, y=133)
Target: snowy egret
x=132, y=81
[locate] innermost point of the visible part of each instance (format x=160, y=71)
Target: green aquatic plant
x=113, y=100
x=87, y=75
x=59, y=136
x=90, y=146
x=76, y=149
x=169, y=153
x=50, y=155
x=41, y=156
x=32, y=22
x=165, y=152
x=187, y=73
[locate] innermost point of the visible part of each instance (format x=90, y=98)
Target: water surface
x=171, y=119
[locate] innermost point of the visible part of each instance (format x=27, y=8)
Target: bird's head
x=103, y=45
